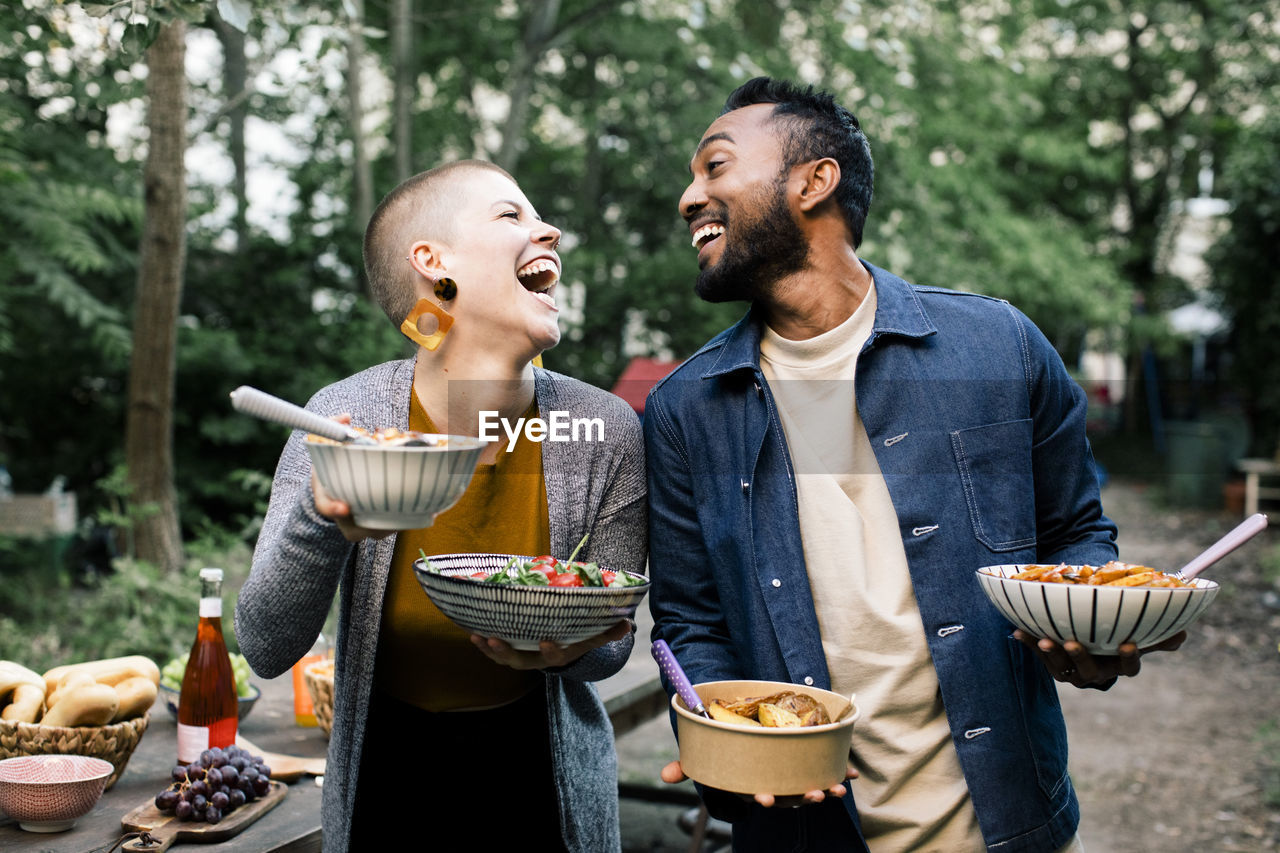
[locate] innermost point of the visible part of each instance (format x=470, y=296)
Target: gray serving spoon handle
x=262, y=405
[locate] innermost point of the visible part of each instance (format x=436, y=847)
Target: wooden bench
x=1255, y=471
x=38, y=516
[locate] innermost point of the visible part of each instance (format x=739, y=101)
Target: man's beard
x=758, y=251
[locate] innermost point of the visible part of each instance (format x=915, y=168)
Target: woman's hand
x=548, y=655
x=674, y=774
x=339, y=512
x=1071, y=663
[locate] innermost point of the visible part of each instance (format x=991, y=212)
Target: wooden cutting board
x=284, y=768
x=167, y=830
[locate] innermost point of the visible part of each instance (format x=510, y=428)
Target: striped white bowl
x=523, y=615
x=396, y=488
x=1100, y=618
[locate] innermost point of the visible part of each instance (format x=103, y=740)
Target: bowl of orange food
x=1100, y=607
x=765, y=737
x=398, y=480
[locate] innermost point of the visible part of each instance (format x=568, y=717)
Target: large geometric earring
x=427, y=324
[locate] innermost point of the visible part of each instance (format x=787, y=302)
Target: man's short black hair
x=815, y=126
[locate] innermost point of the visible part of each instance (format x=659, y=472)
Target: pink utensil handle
x=667, y=663
x=1246, y=530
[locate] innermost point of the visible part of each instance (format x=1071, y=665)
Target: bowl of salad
x=525, y=600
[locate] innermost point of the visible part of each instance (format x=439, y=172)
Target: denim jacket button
x=808, y=680
x=746, y=486
x=776, y=582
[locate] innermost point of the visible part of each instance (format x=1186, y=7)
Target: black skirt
x=484, y=775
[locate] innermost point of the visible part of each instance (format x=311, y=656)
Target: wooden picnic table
x=632, y=697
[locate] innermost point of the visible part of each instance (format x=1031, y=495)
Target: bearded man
x=826, y=476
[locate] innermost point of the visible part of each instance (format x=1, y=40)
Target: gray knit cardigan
x=302, y=560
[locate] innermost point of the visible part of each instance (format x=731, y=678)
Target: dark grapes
x=213, y=787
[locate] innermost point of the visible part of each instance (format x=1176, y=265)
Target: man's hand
x=548, y=653
x=674, y=774
x=1070, y=663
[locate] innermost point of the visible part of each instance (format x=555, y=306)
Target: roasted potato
x=785, y=709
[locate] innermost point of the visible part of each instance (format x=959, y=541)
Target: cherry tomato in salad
x=566, y=579
x=546, y=558
x=547, y=570
x=607, y=576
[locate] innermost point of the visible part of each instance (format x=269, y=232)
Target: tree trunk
x=234, y=80
x=405, y=90
x=149, y=420
x=538, y=31
x=362, y=170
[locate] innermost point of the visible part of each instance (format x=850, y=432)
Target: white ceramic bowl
x=523, y=615
x=396, y=488
x=762, y=760
x=48, y=793
x=1100, y=618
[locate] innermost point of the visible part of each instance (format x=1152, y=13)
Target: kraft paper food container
x=751, y=760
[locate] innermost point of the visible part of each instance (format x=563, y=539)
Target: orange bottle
x=303, y=713
x=207, y=707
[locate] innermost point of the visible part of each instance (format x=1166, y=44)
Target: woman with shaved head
x=432, y=725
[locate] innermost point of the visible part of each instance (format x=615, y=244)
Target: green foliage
x=1270, y=561
x=1244, y=265
x=50, y=618
x=1268, y=741
x=998, y=130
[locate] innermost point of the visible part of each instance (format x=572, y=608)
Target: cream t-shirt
x=911, y=794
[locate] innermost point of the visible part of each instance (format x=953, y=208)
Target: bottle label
x=211, y=608
x=193, y=740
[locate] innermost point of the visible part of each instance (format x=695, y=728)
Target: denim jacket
x=979, y=433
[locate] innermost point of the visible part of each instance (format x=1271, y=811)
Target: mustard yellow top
x=423, y=658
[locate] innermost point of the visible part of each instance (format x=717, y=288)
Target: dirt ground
x=1185, y=758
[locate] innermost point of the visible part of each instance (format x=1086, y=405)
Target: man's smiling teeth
x=707, y=233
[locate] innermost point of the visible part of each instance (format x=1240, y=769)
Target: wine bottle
x=207, y=706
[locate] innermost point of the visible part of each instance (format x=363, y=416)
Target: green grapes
x=171, y=674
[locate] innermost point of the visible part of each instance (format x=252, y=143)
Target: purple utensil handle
x=667, y=663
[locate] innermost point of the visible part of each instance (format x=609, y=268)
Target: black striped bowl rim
x=522, y=615
x=1100, y=618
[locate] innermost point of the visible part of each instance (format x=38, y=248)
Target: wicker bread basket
x=319, y=679
x=114, y=743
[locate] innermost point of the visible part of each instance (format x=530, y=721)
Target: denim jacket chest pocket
x=999, y=488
